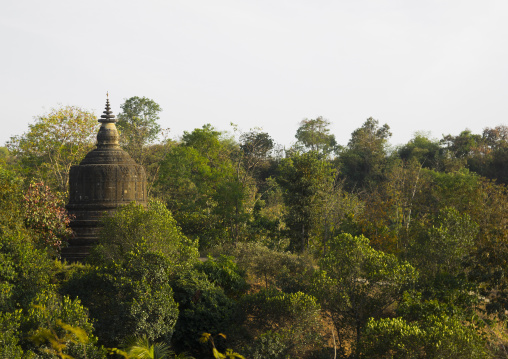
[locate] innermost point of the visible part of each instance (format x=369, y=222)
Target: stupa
x=106, y=179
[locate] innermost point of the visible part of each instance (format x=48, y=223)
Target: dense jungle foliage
x=251, y=250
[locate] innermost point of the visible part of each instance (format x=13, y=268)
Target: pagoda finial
x=107, y=137
x=108, y=114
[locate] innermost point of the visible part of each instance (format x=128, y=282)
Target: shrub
x=130, y=299
x=154, y=226
x=224, y=272
x=204, y=307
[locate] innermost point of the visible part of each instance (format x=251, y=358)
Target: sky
x=434, y=66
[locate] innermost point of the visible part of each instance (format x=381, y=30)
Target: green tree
x=204, y=307
x=224, y=272
x=131, y=299
x=424, y=329
x=488, y=158
x=11, y=199
x=436, y=337
x=138, y=126
x=257, y=164
x=293, y=318
x=461, y=146
x=303, y=178
x=200, y=183
x=271, y=268
x=426, y=151
x=486, y=265
x=10, y=323
x=333, y=208
x=254, y=160
x=392, y=206
x=53, y=143
x=154, y=226
x=444, y=246
x=25, y=268
x=357, y=283
x=63, y=323
x=475, y=200
x=314, y=135
x=459, y=149
x=154, y=156
x=266, y=223
x=24, y=271
x=232, y=185
x=363, y=161
x=6, y=158
x=255, y=147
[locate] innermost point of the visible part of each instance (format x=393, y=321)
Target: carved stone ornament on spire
x=108, y=134
x=106, y=179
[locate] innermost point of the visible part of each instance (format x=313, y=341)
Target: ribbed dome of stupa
x=106, y=179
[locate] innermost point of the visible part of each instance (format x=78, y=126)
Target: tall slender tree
x=363, y=161
x=138, y=125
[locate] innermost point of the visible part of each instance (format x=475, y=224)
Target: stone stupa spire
x=106, y=179
x=108, y=114
x=108, y=134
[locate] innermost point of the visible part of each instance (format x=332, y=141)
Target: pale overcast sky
x=427, y=65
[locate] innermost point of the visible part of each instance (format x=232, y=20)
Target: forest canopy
x=248, y=249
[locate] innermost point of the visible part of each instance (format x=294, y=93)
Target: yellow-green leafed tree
x=59, y=326
x=53, y=143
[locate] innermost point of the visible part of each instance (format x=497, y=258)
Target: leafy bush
x=24, y=271
x=269, y=345
x=357, y=282
x=426, y=329
x=271, y=267
x=11, y=196
x=132, y=299
x=204, y=307
x=282, y=323
x=64, y=323
x=224, y=272
x=9, y=336
x=443, y=247
x=155, y=226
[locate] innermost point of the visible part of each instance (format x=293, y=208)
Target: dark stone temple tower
x=106, y=179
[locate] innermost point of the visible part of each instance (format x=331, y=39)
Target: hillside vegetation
x=248, y=249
